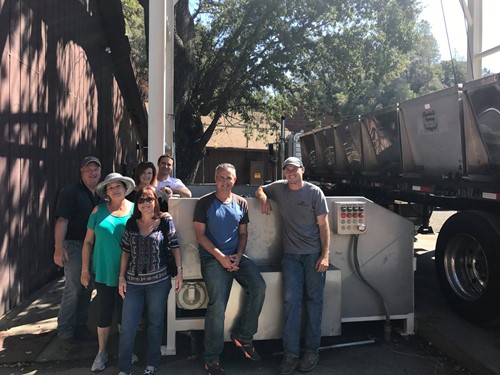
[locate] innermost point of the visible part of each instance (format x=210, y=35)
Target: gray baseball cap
x=90, y=159
x=293, y=161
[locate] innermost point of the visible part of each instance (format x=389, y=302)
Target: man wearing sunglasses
x=303, y=210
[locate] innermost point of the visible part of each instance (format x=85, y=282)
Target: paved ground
x=28, y=344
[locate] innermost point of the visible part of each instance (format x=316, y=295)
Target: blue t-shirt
x=222, y=221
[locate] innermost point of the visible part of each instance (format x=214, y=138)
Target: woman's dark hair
x=123, y=183
x=141, y=167
x=137, y=214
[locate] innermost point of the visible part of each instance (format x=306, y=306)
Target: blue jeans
x=154, y=296
x=302, y=284
x=218, y=282
x=75, y=299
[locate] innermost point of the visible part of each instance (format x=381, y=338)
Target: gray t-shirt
x=298, y=210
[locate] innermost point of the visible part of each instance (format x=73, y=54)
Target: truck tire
x=468, y=264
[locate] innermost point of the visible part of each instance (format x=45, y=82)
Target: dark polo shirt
x=75, y=203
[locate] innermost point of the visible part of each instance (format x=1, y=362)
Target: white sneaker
x=99, y=362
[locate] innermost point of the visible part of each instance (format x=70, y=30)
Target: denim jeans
x=75, y=299
x=218, y=282
x=302, y=285
x=154, y=296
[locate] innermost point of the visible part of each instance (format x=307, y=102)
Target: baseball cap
x=293, y=161
x=90, y=159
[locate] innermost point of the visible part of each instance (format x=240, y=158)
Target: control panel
x=349, y=217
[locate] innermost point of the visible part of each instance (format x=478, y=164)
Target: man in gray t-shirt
x=303, y=211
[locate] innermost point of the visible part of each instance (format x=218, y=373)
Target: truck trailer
x=438, y=151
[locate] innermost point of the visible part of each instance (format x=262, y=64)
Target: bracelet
x=180, y=268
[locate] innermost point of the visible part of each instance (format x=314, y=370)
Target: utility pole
x=161, y=79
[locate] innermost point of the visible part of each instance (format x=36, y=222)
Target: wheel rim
x=466, y=266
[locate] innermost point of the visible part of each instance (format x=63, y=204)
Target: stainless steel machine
x=385, y=256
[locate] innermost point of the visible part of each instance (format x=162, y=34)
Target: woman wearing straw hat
x=105, y=229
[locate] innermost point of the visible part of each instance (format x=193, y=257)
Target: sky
x=456, y=26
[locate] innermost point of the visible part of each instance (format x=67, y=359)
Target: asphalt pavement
x=444, y=344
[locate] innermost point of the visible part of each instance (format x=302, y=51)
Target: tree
x=134, y=26
x=244, y=56
x=453, y=72
x=421, y=72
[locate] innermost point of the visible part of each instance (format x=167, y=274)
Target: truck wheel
x=468, y=264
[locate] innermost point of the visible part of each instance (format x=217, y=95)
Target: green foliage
x=420, y=72
x=453, y=72
x=305, y=51
x=335, y=57
x=134, y=28
x=257, y=60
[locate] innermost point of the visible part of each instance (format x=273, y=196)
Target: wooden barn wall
x=59, y=102
x=240, y=158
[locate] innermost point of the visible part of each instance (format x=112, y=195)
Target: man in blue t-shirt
x=220, y=224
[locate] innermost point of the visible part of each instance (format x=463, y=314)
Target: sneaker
x=99, y=362
x=135, y=358
x=214, y=369
x=309, y=361
x=247, y=349
x=82, y=333
x=149, y=372
x=288, y=365
x=68, y=345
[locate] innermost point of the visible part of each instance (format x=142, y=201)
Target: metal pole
x=282, y=147
x=156, y=109
x=169, y=82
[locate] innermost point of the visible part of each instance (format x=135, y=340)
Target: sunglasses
x=145, y=200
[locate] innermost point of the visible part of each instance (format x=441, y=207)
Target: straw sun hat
x=113, y=177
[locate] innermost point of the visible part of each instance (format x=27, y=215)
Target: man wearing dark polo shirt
x=74, y=205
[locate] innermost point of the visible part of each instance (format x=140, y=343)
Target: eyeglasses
x=144, y=200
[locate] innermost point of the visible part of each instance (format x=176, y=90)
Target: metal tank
x=428, y=124
x=380, y=140
x=481, y=107
x=385, y=254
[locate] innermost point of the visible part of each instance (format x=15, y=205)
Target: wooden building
x=254, y=161
x=65, y=93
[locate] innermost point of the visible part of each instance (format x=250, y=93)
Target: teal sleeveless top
x=108, y=230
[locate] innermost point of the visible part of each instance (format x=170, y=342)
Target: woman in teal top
x=105, y=229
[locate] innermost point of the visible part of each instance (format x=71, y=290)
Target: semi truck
x=438, y=151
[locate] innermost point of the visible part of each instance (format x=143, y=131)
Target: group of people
x=121, y=247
